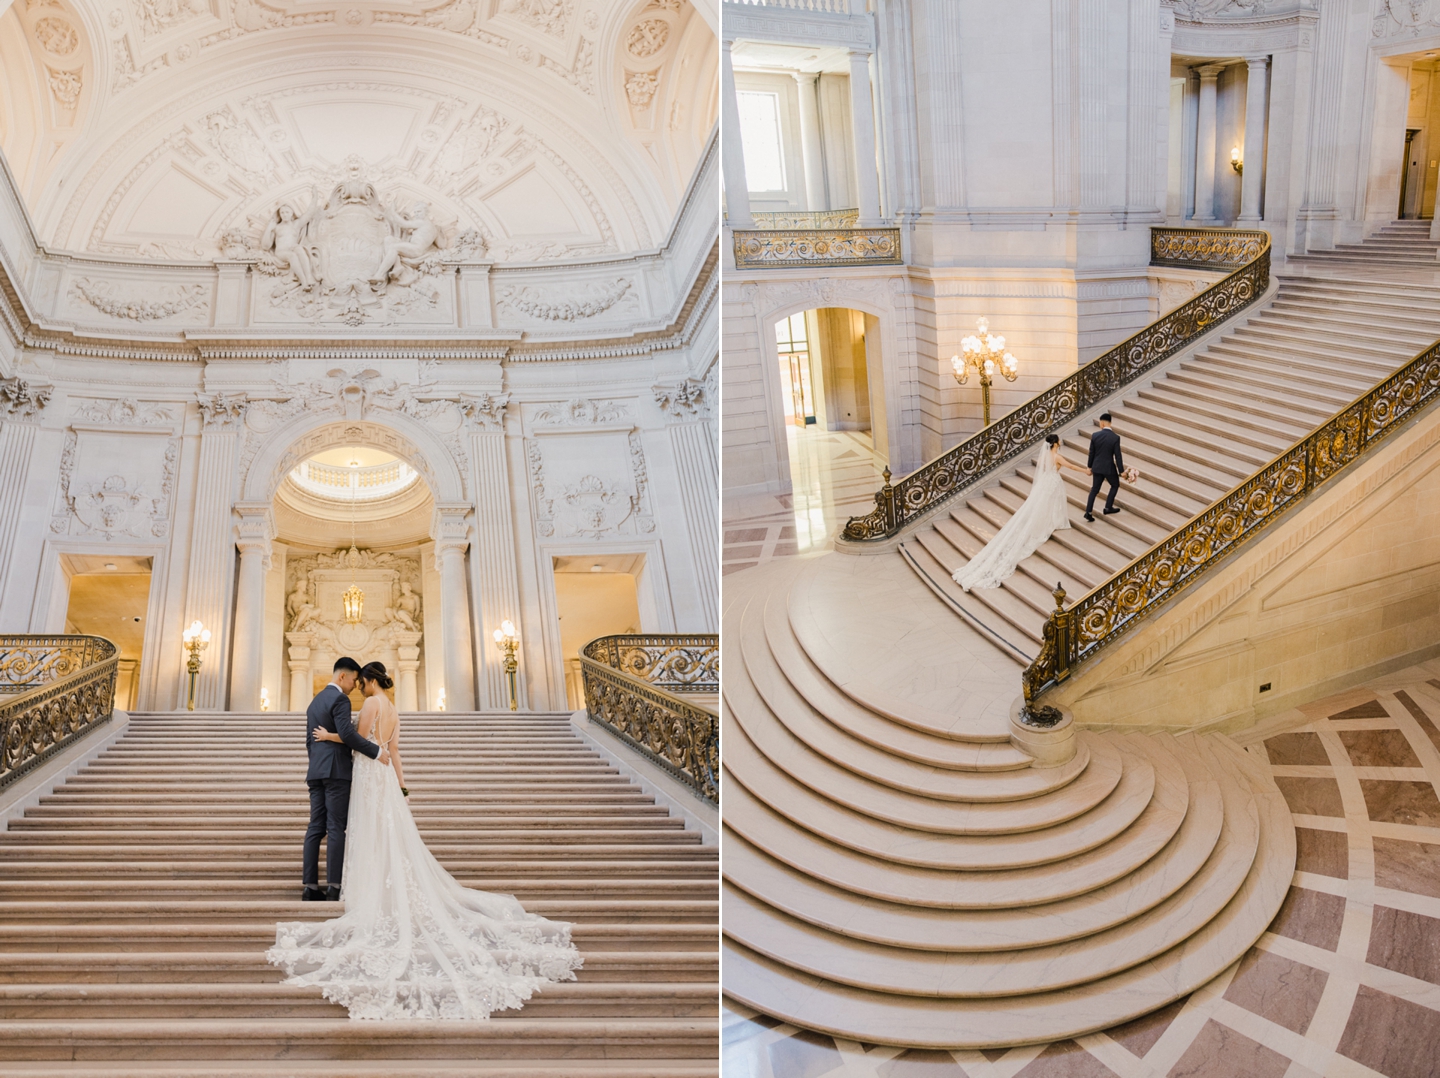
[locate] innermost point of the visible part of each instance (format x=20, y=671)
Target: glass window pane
x=760, y=139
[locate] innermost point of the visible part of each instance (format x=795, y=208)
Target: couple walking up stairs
x=908, y=864
x=137, y=902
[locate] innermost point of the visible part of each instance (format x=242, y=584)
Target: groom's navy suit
x=329, y=781
x=1105, y=465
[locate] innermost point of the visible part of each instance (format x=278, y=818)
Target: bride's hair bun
x=376, y=672
x=1052, y=439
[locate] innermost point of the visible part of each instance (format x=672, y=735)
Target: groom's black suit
x=1105, y=465
x=329, y=781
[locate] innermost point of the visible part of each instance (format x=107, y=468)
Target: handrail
x=633, y=687
x=1109, y=610
x=70, y=689
x=959, y=468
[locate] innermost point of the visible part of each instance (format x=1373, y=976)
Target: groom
x=1106, y=464
x=329, y=779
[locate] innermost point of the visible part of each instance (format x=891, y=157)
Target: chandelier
x=354, y=600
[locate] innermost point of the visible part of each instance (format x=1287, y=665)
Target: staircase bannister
x=1111, y=609
x=53, y=690
x=957, y=469
x=635, y=686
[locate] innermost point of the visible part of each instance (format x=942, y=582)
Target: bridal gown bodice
x=413, y=943
x=1043, y=513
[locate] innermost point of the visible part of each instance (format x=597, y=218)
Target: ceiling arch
x=521, y=123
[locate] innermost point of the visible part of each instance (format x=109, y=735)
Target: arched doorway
x=352, y=541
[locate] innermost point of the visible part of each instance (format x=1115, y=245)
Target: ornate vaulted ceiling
x=167, y=129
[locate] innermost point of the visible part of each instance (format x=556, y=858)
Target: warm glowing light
x=440, y=699
x=354, y=600
x=264, y=699
x=197, y=637
x=1235, y=162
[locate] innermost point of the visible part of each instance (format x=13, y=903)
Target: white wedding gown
x=1043, y=513
x=413, y=943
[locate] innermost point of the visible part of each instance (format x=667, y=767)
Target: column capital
x=1261, y=62
x=1210, y=72
x=450, y=528
x=254, y=527
x=20, y=399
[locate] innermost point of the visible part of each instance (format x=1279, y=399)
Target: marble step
x=92, y=910
x=911, y=1020
x=1133, y=797
x=350, y=1068
x=696, y=862
x=1004, y=619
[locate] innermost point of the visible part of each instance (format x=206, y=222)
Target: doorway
x=792, y=341
x=595, y=595
x=1411, y=188
x=110, y=597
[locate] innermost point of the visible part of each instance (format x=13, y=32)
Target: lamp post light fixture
x=197, y=639
x=508, y=641
x=984, y=352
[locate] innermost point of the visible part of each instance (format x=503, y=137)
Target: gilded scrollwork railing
x=779, y=248
x=1018, y=432
x=1104, y=615
x=636, y=686
x=55, y=689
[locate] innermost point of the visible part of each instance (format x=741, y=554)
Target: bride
x=413, y=943
x=1045, y=511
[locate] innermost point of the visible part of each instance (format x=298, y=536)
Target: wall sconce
x=508, y=641
x=1235, y=162
x=264, y=699
x=440, y=699
x=197, y=639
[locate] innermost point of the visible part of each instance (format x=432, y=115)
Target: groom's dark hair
x=1105, y=417
x=346, y=663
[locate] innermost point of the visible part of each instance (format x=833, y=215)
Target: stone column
x=811, y=151
x=302, y=679
x=21, y=403
x=212, y=546
x=1205, y=147
x=732, y=150
x=1252, y=180
x=253, y=534
x=450, y=530
x=862, y=125
x=496, y=578
x=691, y=402
x=407, y=696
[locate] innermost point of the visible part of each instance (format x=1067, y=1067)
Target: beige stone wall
x=1344, y=589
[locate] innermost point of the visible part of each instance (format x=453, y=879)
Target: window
x=795, y=369
x=760, y=140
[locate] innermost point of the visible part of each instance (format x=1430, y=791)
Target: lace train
x=1043, y=513
x=413, y=943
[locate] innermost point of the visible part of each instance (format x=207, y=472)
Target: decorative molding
x=548, y=16
x=115, y=507
x=640, y=87
x=581, y=72
x=686, y=399
x=125, y=412
x=484, y=411
x=593, y=506
x=1405, y=18
x=817, y=247
x=222, y=410
x=579, y=412
x=647, y=37
x=169, y=302
x=552, y=306
x=1200, y=10
x=65, y=86
x=20, y=399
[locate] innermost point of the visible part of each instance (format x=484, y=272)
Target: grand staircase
x=899, y=873
x=136, y=903
x=1198, y=428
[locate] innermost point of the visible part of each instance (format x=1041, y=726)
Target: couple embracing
x=413, y=943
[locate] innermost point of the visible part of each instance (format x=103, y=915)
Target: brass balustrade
x=635, y=686
x=780, y=248
x=1173, y=564
x=958, y=469
x=56, y=689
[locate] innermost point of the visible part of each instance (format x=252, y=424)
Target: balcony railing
x=767, y=220
x=836, y=7
x=55, y=690
x=960, y=468
x=636, y=686
x=784, y=247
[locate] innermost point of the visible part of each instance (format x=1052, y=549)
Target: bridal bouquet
x=1131, y=475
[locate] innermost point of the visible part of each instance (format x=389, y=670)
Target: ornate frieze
x=817, y=247
x=141, y=304
x=125, y=412
x=580, y=412
x=554, y=305
x=20, y=399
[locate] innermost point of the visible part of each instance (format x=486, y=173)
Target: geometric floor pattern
x=1346, y=982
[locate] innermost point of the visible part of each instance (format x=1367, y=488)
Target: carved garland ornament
x=550, y=307
x=168, y=302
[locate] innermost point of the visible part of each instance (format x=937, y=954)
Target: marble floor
x=834, y=477
x=1346, y=982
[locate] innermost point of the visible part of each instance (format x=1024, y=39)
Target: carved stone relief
x=640, y=87
x=115, y=486
x=1405, y=18
x=56, y=36
x=125, y=412
x=687, y=399
x=551, y=16
x=157, y=16
x=142, y=304
x=222, y=410
x=581, y=72
x=392, y=605
x=1199, y=10
x=579, y=412
x=647, y=37
x=20, y=399
x=551, y=305
x=484, y=411
x=590, y=488
x=65, y=87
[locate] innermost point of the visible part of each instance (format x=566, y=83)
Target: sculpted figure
x=415, y=237
x=406, y=611
x=286, y=236
x=302, y=611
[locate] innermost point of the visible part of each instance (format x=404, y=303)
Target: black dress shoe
x=1090, y=518
x=1109, y=511
x=312, y=894
x=332, y=894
